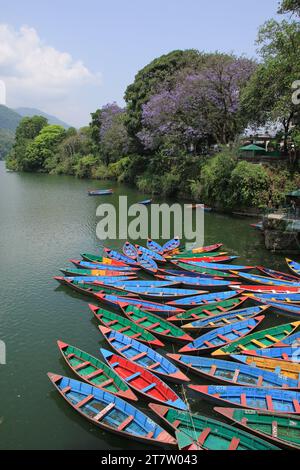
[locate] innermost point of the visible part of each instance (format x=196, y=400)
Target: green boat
x=206, y=433
x=190, y=254
x=197, y=269
x=208, y=310
x=259, y=340
x=95, y=372
x=284, y=430
x=156, y=324
x=125, y=326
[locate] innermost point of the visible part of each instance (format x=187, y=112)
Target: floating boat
x=143, y=381
x=146, y=202
x=283, y=430
x=277, y=274
x=100, y=192
x=284, y=368
x=221, y=267
x=195, y=281
x=281, y=307
x=292, y=340
x=259, y=340
x=171, y=245
x=117, y=302
x=258, y=226
x=233, y=373
x=266, y=399
x=82, y=281
x=287, y=298
x=101, y=259
x=203, y=207
x=116, y=256
x=222, y=336
x=207, y=249
x=156, y=325
x=92, y=288
x=154, y=246
x=163, y=293
x=143, y=355
x=110, y=412
x=142, y=284
x=205, y=299
x=266, y=289
x=130, y=251
x=144, y=252
x=266, y=281
x=125, y=326
x=189, y=255
x=95, y=372
x=223, y=319
x=181, y=273
x=294, y=266
x=284, y=353
x=95, y=272
x=147, y=264
x=208, y=259
x=208, y=310
x=208, y=433
x=200, y=270
x=107, y=267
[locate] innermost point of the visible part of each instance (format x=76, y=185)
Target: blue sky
x=69, y=57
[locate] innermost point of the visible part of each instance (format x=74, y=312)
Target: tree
x=42, y=149
x=290, y=6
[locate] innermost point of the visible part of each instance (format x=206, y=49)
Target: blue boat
x=287, y=353
x=294, y=266
x=220, y=337
x=146, y=202
x=141, y=283
x=217, y=266
x=130, y=250
x=292, y=340
x=103, y=279
x=287, y=298
x=116, y=302
x=204, y=299
x=154, y=246
x=188, y=281
x=110, y=412
x=277, y=274
x=182, y=273
x=282, y=307
x=115, y=255
x=266, y=399
x=147, y=264
x=223, y=319
x=143, y=355
x=267, y=281
x=142, y=251
x=164, y=293
x=171, y=245
x=100, y=192
x=107, y=267
x=233, y=373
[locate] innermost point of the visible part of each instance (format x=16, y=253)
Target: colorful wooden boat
x=284, y=353
x=147, y=264
x=154, y=246
x=218, y=266
x=281, y=307
x=101, y=259
x=117, y=302
x=129, y=250
x=222, y=336
x=151, y=254
x=100, y=192
x=182, y=273
x=204, y=299
x=125, y=326
x=284, y=289
x=143, y=355
x=258, y=226
x=208, y=310
x=284, y=368
x=116, y=256
x=282, y=430
x=86, y=280
x=292, y=340
x=95, y=372
x=265, y=399
x=223, y=319
x=259, y=340
x=207, y=249
x=233, y=373
x=143, y=381
x=190, y=255
x=95, y=272
x=287, y=298
x=162, y=293
x=265, y=281
x=208, y=433
x=110, y=412
x=195, y=281
x=200, y=270
x=90, y=265
x=127, y=285
x=156, y=325
x=277, y=274
x=294, y=266
x=171, y=245
x=92, y=288
x=146, y=202
x=208, y=259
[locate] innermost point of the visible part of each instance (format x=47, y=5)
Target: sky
x=69, y=58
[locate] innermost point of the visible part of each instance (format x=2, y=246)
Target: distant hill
x=9, y=119
x=29, y=112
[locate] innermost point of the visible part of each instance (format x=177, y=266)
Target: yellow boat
x=288, y=369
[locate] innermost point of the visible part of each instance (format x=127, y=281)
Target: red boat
x=207, y=259
x=261, y=289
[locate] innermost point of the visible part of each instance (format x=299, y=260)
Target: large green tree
x=43, y=148
x=290, y=6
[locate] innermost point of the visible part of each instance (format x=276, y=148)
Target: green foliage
x=85, y=165
x=248, y=186
x=9, y=119
x=40, y=153
x=7, y=139
x=290, y=6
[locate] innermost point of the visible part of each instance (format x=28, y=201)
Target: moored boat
x=201, y=270
x=145, y=252
x=95, y=272
x=294, y=266
x=100, y=192
x=263, y=289
x=281, y=307
x=116, y=256
x=147, y=264
x=195, y=282
x=92, y=288
x=284, y=368
x=207, y=259
x=278, y=274
x=161, y=293
x=101, y=259
x=205, y=299
x=285, y=353
x=130, y=250
x=154, y=246
x=118, y=302
x=146, y=202
x=218, y=266
x=92, y=265
x=265, y=281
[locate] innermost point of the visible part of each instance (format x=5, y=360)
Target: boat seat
x=243, y=399
x=82, y=365
x=125, y=423
x=257, y=343
x=69, y=356
x=285, y=356
x=155, y=325
x=166, y=332
x=240, y=317
x=125, y=328
x=104, y=412
x=271, y=338
x=274, y=428
x=208, y=344
x=213, y=370
x=124, y=348
x=84, y=401
x=296, y=406
x=203, y=436
x=236, y=375
x=133, y=376
x=107, y=382
x=148, y=388
x=176, y=423
x=138, y=356
x=260, y=381
x=224, y=320
x=150, y=435
x=114, y=364
x=269, y=401
x=66, y=390
x=93, y=374
x=238, y=333
x=234, y=443
x=141, y=320
x=153, y=366
x=136, y=335
x=113, y=322
x=223, y=338
x=221, y=308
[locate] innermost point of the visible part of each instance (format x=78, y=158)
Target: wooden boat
x=204, y=299
x=130, y=251
x=110, y=412
x=277, y=274
x=92, y=288
x=181, y=273
x=222, y=336
x=285, y=368
x=200, y=270
x=283, y=430
x=284, y=353
x=208, y=433
x=208, y=259
x=285, y=289
x=195, y=281
x=207, y=249
x=259, y=340
x=144, y=252
x=100, y=192
x=258, y=226
x=154, y=246
x=147, y=264
x=208, y=310
x=116, y=256
x=142, y=355
x=146, y=202
x=223, y=319
x=233, y=373
x=125, y=326
x=101, y=259
x=138, y=283
x=265, y=399
x=93, y=280
x=95, y=272
x=287, y=298
x=143, y=381
x=156, y=325
x=89, y=265
x=117, y=302
x=266, y=281
x=292, y=340
x=171, y=245
x=281, y=307
x=95, y=372
x=294, y=266
x=221, y=267
x=189, y=255
x=162, y=293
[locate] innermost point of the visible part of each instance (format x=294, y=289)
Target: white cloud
x=36, y=74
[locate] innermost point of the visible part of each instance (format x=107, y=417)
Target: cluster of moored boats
x=214, y=313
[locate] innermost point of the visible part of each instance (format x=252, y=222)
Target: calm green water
x=45, y=220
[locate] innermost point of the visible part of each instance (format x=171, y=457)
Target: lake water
x=46, y=220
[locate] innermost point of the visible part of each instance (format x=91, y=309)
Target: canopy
x=252, y=148
x=294, y=193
